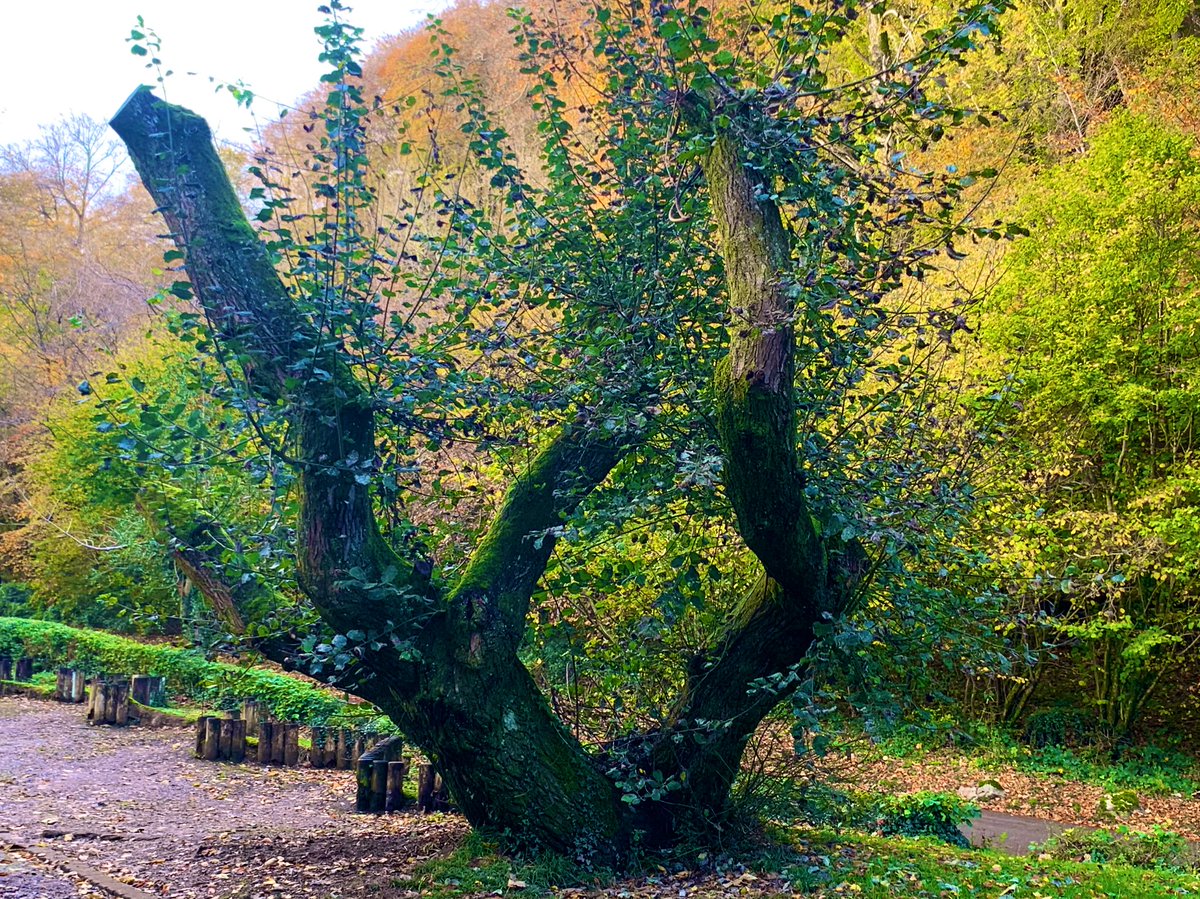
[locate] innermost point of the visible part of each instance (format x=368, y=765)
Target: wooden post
x=109, y=703
x=212, y=739
x=278, y=737
x=343, y=749
x=324, y=748
x=426, y=787
x=225, y=749
x=139, y=688
x=146, y=689
x=237, y=746
x=220, y=739
x=24, y=669
x=77, y=686
x=201, y=725
x=254, y=712
x=62, y=685
x=93, y=695
x=362, y=795
x=120, y=704
x=396, y=772
x=291, y=745
x=6, y=668
x=266, y=737
x=379, y=776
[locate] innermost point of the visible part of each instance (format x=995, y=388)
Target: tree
x=73, y=162
x=1096, y=317
x=695, y=279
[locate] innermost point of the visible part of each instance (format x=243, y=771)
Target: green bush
x=1158, y=849
x=1060, y=726
x=913, y=814
x=186, y=671
x=927, y=814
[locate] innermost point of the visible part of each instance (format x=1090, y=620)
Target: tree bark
x=461, y=693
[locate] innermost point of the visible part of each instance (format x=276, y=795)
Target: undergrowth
x=187, y=672
x=817, y=862
x=1114, y=766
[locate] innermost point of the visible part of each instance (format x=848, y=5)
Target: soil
x=133, y=803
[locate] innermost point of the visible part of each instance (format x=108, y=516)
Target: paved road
x=1011, y=834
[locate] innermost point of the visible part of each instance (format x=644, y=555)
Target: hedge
x=187, y=672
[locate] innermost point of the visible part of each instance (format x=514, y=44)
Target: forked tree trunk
x=462, y=694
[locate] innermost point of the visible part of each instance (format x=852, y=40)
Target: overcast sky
x=64, y=56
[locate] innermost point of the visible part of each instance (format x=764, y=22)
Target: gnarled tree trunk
x=461, y=693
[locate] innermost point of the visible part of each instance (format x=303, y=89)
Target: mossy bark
x=461, y=693
x=733, y=684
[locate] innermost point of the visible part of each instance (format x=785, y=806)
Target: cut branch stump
x=108, y=702
x=69, y=686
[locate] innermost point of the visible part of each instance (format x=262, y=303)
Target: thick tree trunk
x=460, y=692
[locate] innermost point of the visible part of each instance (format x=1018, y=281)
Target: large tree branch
x=230, y=272
x=284, y=359
x=512, y=556
x=735, y=682
x=755, y=389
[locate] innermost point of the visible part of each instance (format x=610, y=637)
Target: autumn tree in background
x=77, y=255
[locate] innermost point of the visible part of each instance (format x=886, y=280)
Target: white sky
x=65, y=56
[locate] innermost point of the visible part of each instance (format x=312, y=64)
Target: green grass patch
x=875, y=868
x=478, y=867
x=214, y=684
x=817, y=862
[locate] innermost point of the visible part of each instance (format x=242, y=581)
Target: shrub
x=1158, y=849
x=186, y=671
x=912, y=814
x=1060, y=726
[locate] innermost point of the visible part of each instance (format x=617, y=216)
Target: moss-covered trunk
x=744, y=672
x=458, y=689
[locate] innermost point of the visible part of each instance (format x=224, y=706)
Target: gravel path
x=134, y=803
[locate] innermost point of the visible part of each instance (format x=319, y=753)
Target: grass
x=875, y=868
x=477, y=866
x=817, y=863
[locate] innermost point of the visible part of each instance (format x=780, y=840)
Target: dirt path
x=1011, y=834
x=134, y=804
